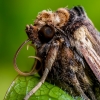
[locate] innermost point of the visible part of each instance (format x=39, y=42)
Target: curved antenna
x=15, y=65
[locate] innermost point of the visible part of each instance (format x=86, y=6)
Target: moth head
x=46, y=25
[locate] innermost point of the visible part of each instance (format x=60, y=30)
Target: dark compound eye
x=46, y=33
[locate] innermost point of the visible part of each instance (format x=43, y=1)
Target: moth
x=68, y=47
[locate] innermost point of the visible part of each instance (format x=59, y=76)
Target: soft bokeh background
x=14, y=16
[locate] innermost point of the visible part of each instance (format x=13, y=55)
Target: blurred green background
x=14, y=16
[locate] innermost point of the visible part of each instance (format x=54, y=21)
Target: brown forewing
x=85, y=43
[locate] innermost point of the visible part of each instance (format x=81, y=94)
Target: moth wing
x=93, y=60
x=86, y=46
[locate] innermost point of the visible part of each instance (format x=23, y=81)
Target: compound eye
x=46, y=33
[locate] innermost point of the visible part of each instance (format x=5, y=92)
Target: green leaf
x=22, y=85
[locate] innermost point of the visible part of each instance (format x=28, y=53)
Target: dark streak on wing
x=91, y=60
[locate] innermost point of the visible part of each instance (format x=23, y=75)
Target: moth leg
x=74, y=81
x=65, y=86
x=70, y=66
x=84, y=82
x=51, y=56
